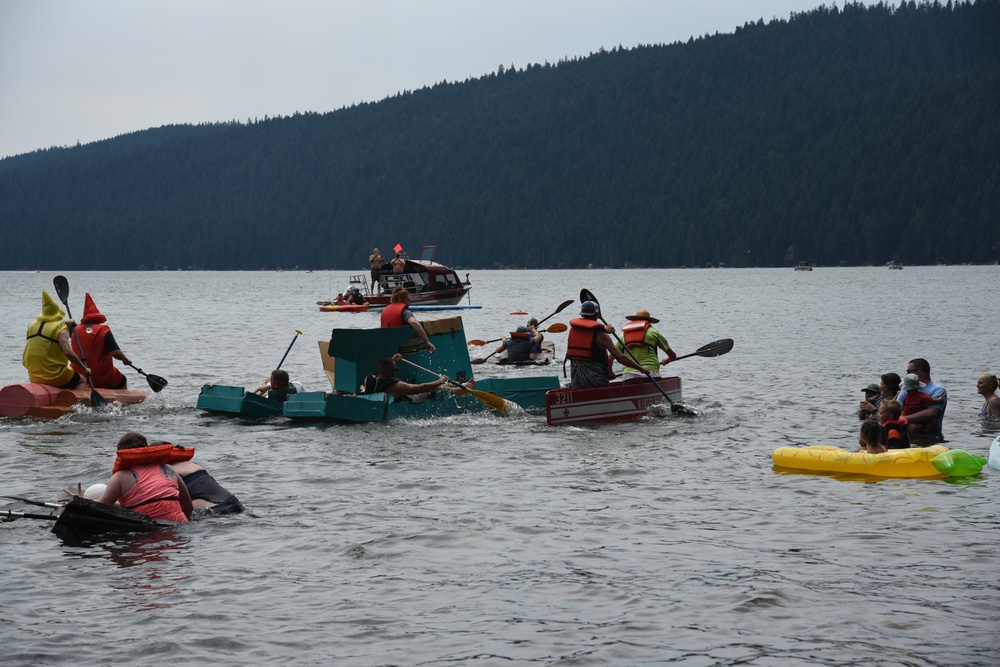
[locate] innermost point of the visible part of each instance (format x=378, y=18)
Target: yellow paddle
x=501, y=405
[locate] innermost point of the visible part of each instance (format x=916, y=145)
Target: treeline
x=849, y=135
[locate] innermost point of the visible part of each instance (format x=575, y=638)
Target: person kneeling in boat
x=386, y=380
x=48, y=352
x=643, y=341
x=155, y=489
x=278, y=387
x=95, y=343
x=398, y=314
x=519, y=346
x=589, y=348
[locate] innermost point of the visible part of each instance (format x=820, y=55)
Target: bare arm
x=423, y=334
x=401, y=389
x=67, y=349
x=618, y=355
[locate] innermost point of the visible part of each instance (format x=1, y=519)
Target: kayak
x=90, y=516
x=29, y=399
x=614, y=403
x=934, y=461
x=346, y=308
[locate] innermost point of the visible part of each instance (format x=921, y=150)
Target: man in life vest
x=643, y=341
x=398, y=314
x=589, y=348
x=48, y=352
x=95, y=343
x=519, y=346
x=155, y=489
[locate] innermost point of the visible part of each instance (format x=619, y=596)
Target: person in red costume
x=398, y=314
x=99, y=347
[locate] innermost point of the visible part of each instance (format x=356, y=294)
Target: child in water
x=871, y=437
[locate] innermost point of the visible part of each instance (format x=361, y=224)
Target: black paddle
x=40, y=503
x=562, y=306
x=156, y=383
x=97, y=401
x=587, y=295
x=714, y=349
x=10, y=516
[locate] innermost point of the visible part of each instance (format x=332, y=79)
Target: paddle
x=501, y=405
x=7, y=514
x=156, y=383
x=558, y=327
x=97, y=401
x=294, y=338
x=714, y=349
x=587, y=295
x=40, y=503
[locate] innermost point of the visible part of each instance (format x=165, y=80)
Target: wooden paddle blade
x=476, y=341
x=478, y=360
x=558, y=327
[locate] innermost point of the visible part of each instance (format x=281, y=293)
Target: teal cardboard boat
x=352, y=354
x=236, y=401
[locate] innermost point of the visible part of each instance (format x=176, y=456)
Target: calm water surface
x=488, y=541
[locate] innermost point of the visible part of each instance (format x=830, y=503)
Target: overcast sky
x=83, y=70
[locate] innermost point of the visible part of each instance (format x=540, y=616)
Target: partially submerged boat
x=615, y=403
x=29, y=399
x=82, y=515
x=428, y=282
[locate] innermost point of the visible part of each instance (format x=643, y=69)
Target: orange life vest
x=392, y=315
x=165, y=453
x=634, y=334
x=580, y=344
x=520, y=334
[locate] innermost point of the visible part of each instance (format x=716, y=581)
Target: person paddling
x=588, y=349
x=643, y=341
x=48, y=352
x=95, y=343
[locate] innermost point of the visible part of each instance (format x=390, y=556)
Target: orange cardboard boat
x=28, y=399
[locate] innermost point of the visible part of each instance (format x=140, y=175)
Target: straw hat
x=642, y=315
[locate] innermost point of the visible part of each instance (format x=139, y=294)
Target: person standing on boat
x=48, y=352
x=928, y=421
x=987, y=385
x=376, y=260
x=99, y=348
x=398, y=264
x=643, y=341
x=588, y=349
x=398, y=314
x=154, y=489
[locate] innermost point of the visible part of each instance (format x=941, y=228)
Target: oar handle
x=399, y=357
x=294, y=338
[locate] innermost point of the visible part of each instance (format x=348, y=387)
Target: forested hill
x=841, y=135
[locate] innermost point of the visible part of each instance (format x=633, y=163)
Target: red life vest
x=634, y=334
x=165, y=453
x=520, y=334
x=582, y=336
x=392, y=315
x=90, y=337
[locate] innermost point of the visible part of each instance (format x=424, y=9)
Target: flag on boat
x=398, y=248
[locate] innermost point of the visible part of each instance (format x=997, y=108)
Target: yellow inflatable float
x=913, y=462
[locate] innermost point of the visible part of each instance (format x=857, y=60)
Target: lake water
x=482, y=540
